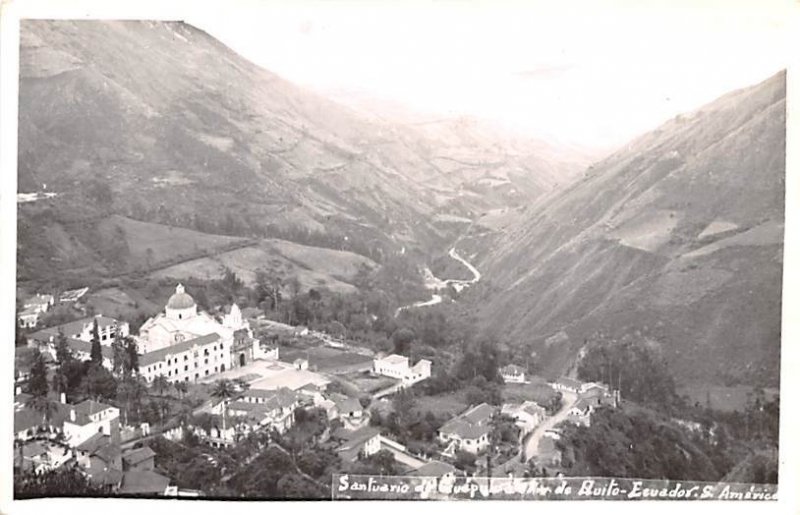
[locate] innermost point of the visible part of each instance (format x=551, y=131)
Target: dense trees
x=96, y=353
x=633, y=367
x=37, y=383
x=637, y=444
x=55, y=483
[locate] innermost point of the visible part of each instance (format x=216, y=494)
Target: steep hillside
x=675, y=239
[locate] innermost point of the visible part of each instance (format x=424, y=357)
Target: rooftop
x=568, y=382
x=161, y=354
x=434, y=469
x=143, y=482
x=395, y=359
x=512, y=370
x=87, y=408
x=180, y=299
x=135, y=456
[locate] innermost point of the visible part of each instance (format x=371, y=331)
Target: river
x=434, y=283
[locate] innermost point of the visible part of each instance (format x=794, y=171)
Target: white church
x=184, y=344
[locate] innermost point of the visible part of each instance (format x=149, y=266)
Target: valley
x=358, y=288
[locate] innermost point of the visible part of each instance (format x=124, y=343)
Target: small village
x=212, y=386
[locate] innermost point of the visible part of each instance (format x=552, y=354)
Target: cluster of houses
x=87, y=435
x=33, y=307
x=184, y=344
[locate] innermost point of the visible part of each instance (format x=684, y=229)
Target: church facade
x=183, y=332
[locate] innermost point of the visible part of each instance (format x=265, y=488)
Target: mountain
x=161, y=123
x=676, y=240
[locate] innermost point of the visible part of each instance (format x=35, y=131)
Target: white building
x=79, y=336
x=566, y=384
x=468, y=431
x=512, y=374
x=526, y=415
x=397, y=367
x=28, y=317
x=181, y=321
x=188, y=360
x=89, y=418
x=40, y=302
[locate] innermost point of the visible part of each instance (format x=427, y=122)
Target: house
x=468, y=431
x=42, y=455
x=28, y=318
x=144, y=482
x=527, y=415
x=397, y=367
x=90, y=418
x=29, y=422
x=436, y=469
x=253, y=410
x=359, y=443
x=39, y=302
x=512, y=374
x=138, y=459
x=566, y=384
x=79, y=336
x=188, y=360
x=600, y=394
x=73, y=295
x=349, y=411
x=100, y=458
x=581, y=412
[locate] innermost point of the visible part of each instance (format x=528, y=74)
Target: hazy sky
x=585, y=73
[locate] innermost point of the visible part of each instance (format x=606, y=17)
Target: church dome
x=180, y=299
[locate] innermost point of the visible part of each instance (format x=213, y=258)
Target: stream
x=434, y=283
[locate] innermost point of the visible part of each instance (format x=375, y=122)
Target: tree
x=37, y=384
x=19, y=338
x=181, y=387
x=381, y=463
x=119, y=355
x=96, y=353
x=45, y=406
x=63, y=352
x=160, y=383
x=403, y=406
x=68, y=480
x=100, y=383
x=133, y=356
x=223, y=390
x=465, y=460
x=401, y=339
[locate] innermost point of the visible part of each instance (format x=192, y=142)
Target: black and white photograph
x=451, y=251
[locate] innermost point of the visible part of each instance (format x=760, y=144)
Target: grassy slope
x=617, y=251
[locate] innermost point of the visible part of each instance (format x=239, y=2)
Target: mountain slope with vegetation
x=674, y=240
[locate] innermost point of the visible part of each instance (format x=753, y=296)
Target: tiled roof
x=27, y=418
x=161, y=354
x=76, y=327
x=80, y=346
x=143, y=482
x=569, y=382
x=136, y=456
x=94, y=442
x=395, y=359
x=434, y=469
x=479, y=414
x=471, y=424
x=464, y=429
x=87, y=408
x=346, y=404
x=512, y=369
